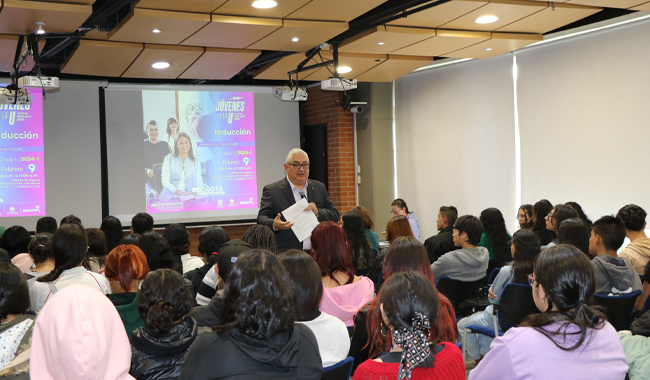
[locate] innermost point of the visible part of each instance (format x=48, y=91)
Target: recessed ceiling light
x=486, y=19
x=40, y=27
x=488, y=49
x=160, y=65
x=295, y=39
x=343, y=69
x=156, y=31
x=381, y=43
x=264, y=4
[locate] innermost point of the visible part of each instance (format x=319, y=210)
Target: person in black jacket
x=442, y=243
x=256, y=337
x=210, y=241
x=159, y=347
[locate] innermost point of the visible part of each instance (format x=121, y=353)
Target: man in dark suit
x=278, y=196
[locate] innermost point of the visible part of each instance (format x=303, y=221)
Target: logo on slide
x=248, y=202
x=220, y=202
x=35, y=209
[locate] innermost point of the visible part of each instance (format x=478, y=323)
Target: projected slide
x=199, y=151
x=22, y=185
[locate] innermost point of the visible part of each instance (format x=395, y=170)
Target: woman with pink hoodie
x=344, y=293
x=79, y=335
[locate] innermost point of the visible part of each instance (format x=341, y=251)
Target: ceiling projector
x=338, y=84
x=290, y=93
x=11, y=97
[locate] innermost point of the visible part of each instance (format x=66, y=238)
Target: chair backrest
x=457, y=291
x=339, y=371
x=516, y=303
x=646, y=305
x=493, y=275
x=618, y=309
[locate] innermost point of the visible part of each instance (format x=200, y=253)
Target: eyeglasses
x=297, y=166
x=531, y=279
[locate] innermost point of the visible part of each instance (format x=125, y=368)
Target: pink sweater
x=345, y=301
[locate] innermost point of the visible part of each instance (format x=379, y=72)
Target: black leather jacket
x=159, y=357
x=440, y=244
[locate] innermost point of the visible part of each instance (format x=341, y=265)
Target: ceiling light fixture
x=295, y=39
x=160, y=65
x=488, y=49
x=40, y=27
x=486, y=19
x=264, y=4
x=381, y=43
x=343, y=69
x=156, y=31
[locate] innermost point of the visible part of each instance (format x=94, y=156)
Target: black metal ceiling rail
x=265, y=58
x=102, y=9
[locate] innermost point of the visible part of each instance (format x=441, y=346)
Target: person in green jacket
x=126, y=267
x=496, y=237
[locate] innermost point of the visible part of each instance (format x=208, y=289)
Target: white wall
x=455, y=140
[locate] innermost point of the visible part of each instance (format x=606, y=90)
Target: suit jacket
x=277, y=197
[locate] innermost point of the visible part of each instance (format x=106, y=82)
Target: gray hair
x=294, y=151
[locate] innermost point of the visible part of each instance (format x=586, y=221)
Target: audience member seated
x=469, y=263
x=614, y=275
x=112, y=228
x=569, y=340
x=442, y=243
x=524, y=249
x=131, y=239
x=46, y=224
x=344, y=293
x=496, y=236
x=409, y=307
x=15, y=240
x=369, y=340
x=645, y=291
x=331, y=333
x=70, y=219
x=540, y=210
x=210, y=241
x=141, y=223
x=157, y=250
x=258, y=236
x=69, y=245
x=399, y=207
x=574, y=231
x=525, y=216
x=581, y=214
x=359, y=245
x=97, y=251
x=126, y=267
x=15, y=326
x=368, y=225
x=4, y=256
x=554, y=219
x=638, y=251
x=40, y=251
x=160, y=346
x=257, y=337
x=396, y=227
x=179, y=239
x=79, y=335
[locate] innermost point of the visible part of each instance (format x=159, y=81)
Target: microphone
x=302, y=193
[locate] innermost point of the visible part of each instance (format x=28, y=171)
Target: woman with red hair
x=369, y=341
x=126, y=266
x=396, y=227
x=344, y=293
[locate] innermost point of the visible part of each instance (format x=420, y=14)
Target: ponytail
x=53, y=275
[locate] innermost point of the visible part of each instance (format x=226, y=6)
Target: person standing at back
x=278, y=196
x=399, y=207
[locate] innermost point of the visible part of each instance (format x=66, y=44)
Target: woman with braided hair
x=569, y=339
x=409, y=305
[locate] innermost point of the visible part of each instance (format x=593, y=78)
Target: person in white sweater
x=331, y=333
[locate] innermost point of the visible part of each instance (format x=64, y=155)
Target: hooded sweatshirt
x=469, y=264
x=79, y=335
x=638, y=254
x=615, y=276
x=126, y=305
x=289, y=354
x=344, y=301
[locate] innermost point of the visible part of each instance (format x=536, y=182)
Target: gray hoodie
x=469, y=264
x=615, y=276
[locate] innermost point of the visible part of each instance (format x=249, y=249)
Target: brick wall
x=324, y=107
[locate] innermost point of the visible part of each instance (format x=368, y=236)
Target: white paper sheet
x=304, y=222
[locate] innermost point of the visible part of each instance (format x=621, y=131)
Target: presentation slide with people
x=22, y=185
x=199, y=151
